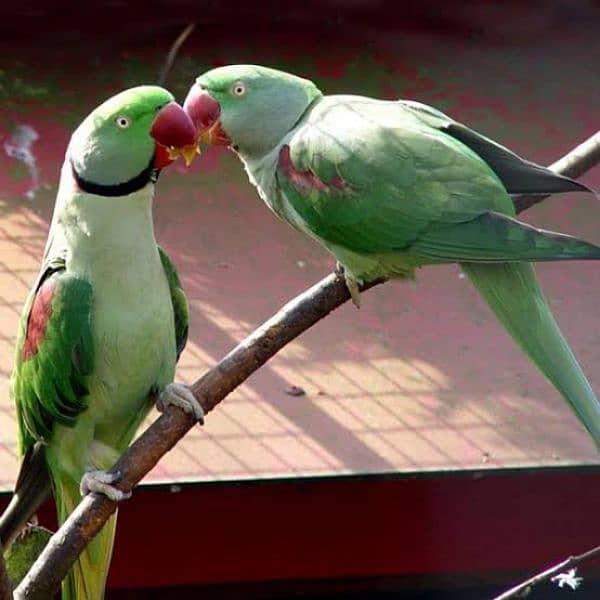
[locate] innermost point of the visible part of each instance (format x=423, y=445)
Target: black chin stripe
x=149, y=174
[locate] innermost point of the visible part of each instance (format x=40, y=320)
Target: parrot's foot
x=101, y=482
x=354, y=288
x=352, y=284
x=180, y=395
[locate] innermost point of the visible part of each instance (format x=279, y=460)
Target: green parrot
x=389, y=186
x=105, y=322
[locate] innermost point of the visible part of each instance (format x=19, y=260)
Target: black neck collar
x=149, y=174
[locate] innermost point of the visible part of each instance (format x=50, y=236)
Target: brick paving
x=421, y=377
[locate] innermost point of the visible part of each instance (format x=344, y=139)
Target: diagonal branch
x=295, y=317
x=521, y=590
x=166, y=68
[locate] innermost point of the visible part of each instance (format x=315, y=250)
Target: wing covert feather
x=380, y=176
x=54, y=355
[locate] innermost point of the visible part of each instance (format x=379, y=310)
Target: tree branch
x=524, y=588
x=166, y=68
x=295, y=317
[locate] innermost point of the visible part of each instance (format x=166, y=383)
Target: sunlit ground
x=421, y=378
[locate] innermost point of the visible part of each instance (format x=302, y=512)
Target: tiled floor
x=421, y=377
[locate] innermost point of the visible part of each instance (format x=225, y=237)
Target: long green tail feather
x=87, y=578
x=513, y=293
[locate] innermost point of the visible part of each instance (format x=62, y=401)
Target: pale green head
x=249, y=107
x=126, y=139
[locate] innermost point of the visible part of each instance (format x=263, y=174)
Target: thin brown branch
x=166, y=68
x=525, y=587
x=5, y=585
x=294, y=318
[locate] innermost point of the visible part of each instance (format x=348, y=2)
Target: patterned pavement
x=421, y=378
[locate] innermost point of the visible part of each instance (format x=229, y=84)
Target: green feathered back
x=386, y=176
x=369, y=176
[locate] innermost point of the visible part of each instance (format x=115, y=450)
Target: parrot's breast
x=133, y=330
x=132, y=321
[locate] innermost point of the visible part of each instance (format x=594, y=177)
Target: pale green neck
x=94, y=229
x=261, y=172
x=261, y=169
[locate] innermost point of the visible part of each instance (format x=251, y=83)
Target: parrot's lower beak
x=173, y=129
x=188, y=153
x=204, y=111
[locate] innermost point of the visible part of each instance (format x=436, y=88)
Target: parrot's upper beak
x=173, y=129
x=204, y=111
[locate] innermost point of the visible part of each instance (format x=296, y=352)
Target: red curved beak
x=204, y=111
x=173, y=129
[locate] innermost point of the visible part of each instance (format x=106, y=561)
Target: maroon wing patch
x=307, y=181
x=39, y=315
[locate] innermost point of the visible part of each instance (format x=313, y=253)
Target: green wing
x=54, y=354
x=179, y=300
x=519, y=176
x=372, y=176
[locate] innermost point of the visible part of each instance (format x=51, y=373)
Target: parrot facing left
x=104, y=323
x=391, y=186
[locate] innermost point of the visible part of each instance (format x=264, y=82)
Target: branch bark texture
x=294, y=318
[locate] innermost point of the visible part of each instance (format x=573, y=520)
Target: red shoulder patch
x=39, y=315
x=306, y=180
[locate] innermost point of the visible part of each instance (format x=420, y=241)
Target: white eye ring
x=123, y=122
x=238, y=88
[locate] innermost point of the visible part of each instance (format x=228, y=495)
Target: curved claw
x=352, y=283
x=353, y=286
x=180, y=395
x=100, y=482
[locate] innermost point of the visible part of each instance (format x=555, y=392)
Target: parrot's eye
x=238, y=88
x=123, y=122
